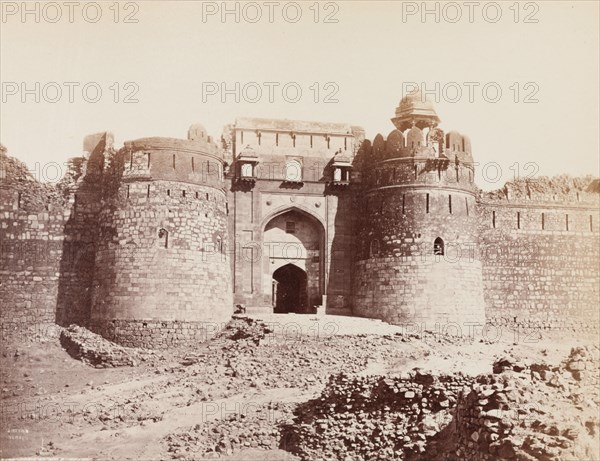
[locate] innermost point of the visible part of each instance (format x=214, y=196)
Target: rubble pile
x=93, y=349
x=374, y=417
x=250, y=426
x=246, y=330
x=536, y=412
x=255, y=356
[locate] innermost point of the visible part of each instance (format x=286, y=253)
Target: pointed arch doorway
x=293, y=262
x=289, y=290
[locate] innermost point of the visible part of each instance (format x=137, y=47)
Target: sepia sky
x=166, y=59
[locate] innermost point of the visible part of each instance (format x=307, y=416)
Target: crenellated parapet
x=389, y=162
x=194, y=161
x=418, y=154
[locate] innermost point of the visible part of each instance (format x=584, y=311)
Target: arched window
x=163, y=236
x=247, y=170
x=438, y=247
x=293, y=171
x=337, y=174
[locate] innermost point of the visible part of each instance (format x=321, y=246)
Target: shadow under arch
x=283, y=210
x=290, y=289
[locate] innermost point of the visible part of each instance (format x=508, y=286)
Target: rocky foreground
x=253, y=393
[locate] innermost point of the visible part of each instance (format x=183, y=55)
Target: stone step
x=328, y=324
x=259, y=309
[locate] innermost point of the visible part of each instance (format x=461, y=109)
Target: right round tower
x=417, y=257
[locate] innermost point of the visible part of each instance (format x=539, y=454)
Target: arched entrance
x=289, y=290
x=293, y=261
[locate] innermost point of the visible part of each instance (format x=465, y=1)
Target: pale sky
x=170, y=53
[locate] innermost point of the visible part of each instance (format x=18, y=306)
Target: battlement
x=415, y=143
x=195, y=161
x=391, y=162
x=561, y=205
x=196, y=146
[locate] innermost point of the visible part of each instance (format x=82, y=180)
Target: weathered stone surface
x=150, y=244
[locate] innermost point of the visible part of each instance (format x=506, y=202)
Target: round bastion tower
x=162, y=274
x=418, y=258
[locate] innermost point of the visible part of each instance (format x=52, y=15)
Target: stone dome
x=415, y=104
x=416, y=109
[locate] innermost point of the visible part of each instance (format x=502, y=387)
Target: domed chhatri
x=415, y=110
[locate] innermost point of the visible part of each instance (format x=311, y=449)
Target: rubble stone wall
x=157, y=334
x=30, y=259
x=374, y=417
x=540, y=264
x=46, y=247
x=162, y=245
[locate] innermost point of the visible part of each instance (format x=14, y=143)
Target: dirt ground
x=55, y=406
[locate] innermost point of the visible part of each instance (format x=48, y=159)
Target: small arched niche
x=438, y=247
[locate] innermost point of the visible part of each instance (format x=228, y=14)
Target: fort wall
x=151, y=245
x=540, y=268
x=47, y=248
x=31, y=253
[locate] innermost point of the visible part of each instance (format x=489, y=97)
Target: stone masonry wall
x=162, y=256
x=407, y=206
x=46, y=250
x=540, y=261
x=158, y=334
x=161, y=268
x=420, y=289
x=31, y=248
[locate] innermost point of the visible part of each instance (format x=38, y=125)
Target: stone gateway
x=153, y=244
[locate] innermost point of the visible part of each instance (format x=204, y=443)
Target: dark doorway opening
x=289, y=290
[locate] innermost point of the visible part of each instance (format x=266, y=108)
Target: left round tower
x=162, y=274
